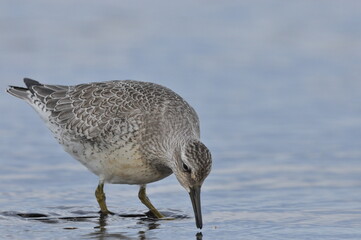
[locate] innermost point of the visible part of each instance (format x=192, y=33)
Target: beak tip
x=199, y=224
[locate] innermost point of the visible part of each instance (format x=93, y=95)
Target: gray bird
x=125, y=132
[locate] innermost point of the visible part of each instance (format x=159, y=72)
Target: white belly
x=123, y=165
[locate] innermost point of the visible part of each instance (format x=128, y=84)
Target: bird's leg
x=145, y=200
x=100, y=195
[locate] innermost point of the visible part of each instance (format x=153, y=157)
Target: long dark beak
x=195, y=194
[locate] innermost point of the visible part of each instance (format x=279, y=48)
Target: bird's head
x=191, y=169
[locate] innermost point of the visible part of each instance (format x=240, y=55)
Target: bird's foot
x=106, y=213
x=159, y=215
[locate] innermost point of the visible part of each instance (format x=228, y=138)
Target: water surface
x=277, y=88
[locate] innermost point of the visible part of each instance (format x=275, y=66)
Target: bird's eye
x=186, y=168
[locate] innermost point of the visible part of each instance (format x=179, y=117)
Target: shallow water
x=277, y=88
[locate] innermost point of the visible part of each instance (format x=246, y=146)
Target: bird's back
x=112, y=112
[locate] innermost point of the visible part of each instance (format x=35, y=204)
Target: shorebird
x=125, y=132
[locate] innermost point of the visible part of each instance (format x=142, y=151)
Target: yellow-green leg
x=145, y=200
x=100, y=195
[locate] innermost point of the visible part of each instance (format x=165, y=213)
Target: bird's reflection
x=145, y=224
x=103, y=223
x=142, y=235
x=102, y=233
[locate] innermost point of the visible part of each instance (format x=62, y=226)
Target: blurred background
x=276, y=85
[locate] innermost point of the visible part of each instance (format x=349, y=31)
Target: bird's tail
x=21, y=92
